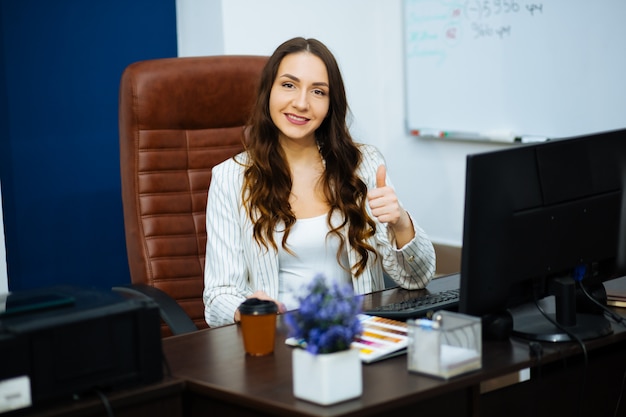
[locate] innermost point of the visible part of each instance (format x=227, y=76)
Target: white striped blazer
x=236, y=265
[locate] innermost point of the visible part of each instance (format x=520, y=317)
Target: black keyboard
x=419, y=306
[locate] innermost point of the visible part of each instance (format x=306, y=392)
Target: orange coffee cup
x=258, y=326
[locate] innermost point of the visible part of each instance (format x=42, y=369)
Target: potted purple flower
x=327, y=370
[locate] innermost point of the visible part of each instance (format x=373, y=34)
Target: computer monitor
x=541, y=220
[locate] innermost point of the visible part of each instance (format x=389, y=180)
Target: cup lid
x=257, y=306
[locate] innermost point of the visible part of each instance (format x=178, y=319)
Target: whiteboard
x=553, y=68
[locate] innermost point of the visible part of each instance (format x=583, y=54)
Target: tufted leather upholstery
x=178, y=117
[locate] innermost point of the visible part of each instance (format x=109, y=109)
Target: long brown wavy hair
x=267, y=180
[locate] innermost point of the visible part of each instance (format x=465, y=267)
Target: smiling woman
x=304, y=198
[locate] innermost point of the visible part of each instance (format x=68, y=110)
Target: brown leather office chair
x=178, y=117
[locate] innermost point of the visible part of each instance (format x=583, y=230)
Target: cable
x=580, y=343
x=619, y=398
x=617, y=318
x=105, y=402
x=570, y=334
x=579, y=274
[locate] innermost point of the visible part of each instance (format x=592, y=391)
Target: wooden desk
x=212, y=375
x=221, y=379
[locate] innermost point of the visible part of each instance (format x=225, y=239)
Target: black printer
x=66, y=341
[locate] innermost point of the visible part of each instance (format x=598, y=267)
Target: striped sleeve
x=225, y=275
x=413, y=265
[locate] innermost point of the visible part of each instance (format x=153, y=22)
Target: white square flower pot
x=327, y=378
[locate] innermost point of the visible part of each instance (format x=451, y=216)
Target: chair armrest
x=171, y=312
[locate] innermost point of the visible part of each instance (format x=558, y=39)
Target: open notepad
x=381, y=338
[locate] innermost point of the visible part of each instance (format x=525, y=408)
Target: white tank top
x=315, y=253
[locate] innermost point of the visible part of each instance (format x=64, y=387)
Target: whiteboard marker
x=532, y=139
x=433, y=133
x=490, y=136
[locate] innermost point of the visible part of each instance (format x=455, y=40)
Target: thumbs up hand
x=383, y=200
x=386, y=208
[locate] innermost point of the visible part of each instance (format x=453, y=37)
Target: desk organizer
x=448, y=345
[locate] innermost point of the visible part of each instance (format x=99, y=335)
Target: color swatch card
x=381, y=338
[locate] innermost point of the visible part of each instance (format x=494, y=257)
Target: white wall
x=366, y=37
x=4, y=279
x=200, y=27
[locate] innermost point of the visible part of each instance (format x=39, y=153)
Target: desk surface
x=216, y=368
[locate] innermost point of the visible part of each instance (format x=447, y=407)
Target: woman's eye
x=319, y=92
x=288, y=85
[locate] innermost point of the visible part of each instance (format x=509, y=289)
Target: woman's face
x=299, y=97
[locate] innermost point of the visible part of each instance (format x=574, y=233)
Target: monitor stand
x=537, y=327
x=529, y=323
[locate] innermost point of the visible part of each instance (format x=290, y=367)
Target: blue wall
x=60, y=67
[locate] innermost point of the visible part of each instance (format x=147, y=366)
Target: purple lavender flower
x=328, y=317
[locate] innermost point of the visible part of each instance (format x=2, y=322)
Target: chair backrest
x=178, y=117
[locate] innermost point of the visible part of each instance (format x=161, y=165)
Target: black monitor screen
x=539, y=217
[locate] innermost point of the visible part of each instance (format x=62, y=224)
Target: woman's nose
x=301, y=101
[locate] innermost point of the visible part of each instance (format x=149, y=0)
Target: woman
x=304, y=198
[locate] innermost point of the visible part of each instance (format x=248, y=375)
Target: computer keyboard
x=418, y=306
